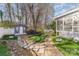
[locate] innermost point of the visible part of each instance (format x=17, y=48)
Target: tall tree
x=19, y=12
x=37, y=12
x=34, y=14
x=53, y=26
x=1, y=15
x=24, y=13
x=9, y=11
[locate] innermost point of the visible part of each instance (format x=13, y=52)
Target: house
x=67, y=24
x=18, y=29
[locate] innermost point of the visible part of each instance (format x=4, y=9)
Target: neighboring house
x=67, y=24
x=19, y=29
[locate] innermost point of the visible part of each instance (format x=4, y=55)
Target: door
x=17, y=30
x=21, y=30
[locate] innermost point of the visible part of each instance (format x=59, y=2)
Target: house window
x=76, y=29
x=76, y=22
x=68, y=25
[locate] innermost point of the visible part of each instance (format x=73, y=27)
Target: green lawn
x=4, y=50
x=67, y=46
x=38, y=38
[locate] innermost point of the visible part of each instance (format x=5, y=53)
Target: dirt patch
x=15, y=49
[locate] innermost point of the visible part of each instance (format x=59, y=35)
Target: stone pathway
x=35, y=49
x=44, y=49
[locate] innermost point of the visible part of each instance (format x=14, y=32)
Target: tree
x=19, y=12
x=1, y=15
x=9, y=11
x=53, y=26
x=37, y=13
x=24, y=12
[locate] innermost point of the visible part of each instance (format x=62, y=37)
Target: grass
x=7, y=24
x=4, y=50
x=38, y=38
x=67, y=46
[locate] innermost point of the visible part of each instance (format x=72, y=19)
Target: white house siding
x=4, y=31
x=66, y=34
x=9, y=31
x=71, y=17
x=1, y=32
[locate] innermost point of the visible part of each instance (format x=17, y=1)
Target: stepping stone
x=41, y=51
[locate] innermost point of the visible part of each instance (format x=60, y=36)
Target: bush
x=40, y=30
x=54, y=39
x=56, y=34
x=9, y=37
x=30, y=32
x=34, y=32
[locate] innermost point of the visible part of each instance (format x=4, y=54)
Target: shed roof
x=20, y=25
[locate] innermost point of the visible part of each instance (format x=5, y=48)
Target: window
x=68, y=24
x=76, y=22
x=76, y=29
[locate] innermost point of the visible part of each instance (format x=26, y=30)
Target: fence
x=4, y=31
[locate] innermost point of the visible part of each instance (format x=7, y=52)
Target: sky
x=60, y=8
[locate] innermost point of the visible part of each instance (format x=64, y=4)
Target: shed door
x=21, y=30
x=17, y=29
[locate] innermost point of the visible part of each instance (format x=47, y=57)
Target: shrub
x=53, y=25
x=54, y=39
x=40, y=30
x=34, y=32
x=57, y=33
x=9, y=37
x=30, y=31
